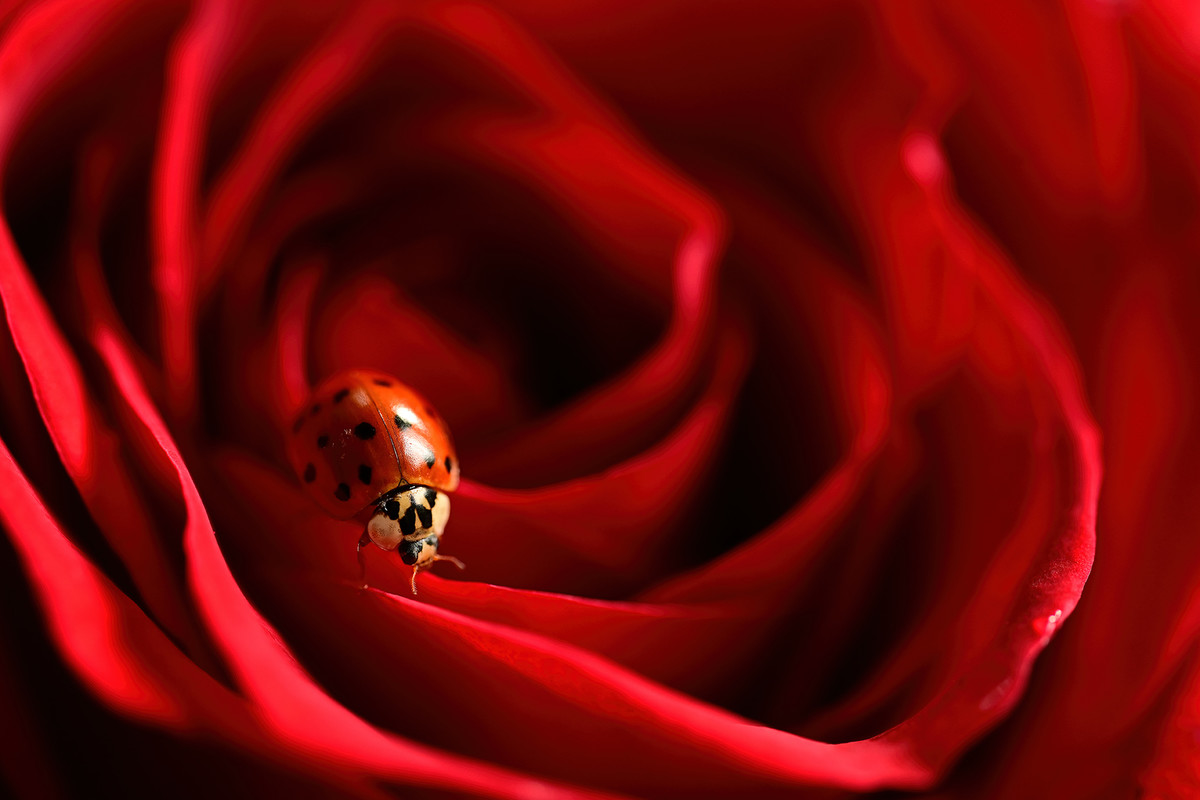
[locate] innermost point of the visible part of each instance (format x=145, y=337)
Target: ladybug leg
x=424, y=565
x=362, y=564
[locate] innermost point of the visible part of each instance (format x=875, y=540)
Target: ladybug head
x=410, y=520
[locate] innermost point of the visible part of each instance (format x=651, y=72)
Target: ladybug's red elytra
x=364, y=444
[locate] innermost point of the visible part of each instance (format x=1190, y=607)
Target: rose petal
x=823, y=315
x=372, y=318
x=1048, y=584
x=627, y=733
x=621, y=195
x=1145, y=514
x=609, y=530
x=89, y=450
x=119, y=654
x=1072, y=131
x=82, y=439
x=175, y=201
x=1141, y=606
x=1117, y=274
x=317, y=81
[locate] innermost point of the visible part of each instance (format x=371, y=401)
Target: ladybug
x=366, y=446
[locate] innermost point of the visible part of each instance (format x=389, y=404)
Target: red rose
x=771, y=338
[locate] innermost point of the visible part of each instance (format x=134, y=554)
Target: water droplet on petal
x=1045, y=626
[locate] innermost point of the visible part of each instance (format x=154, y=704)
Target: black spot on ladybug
x=402, y=424
x=316, y=408
x=392, y=508
x=449, y=464
x=364, y=473
x=310, y=473
x=430, y=497
x=322, y=442
x=340, y=395
x=382, y=382
x=426, y=516
x=364, y=430
x=299, y=423
x=430, y=459
x=343, y=492
x=408, y=523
